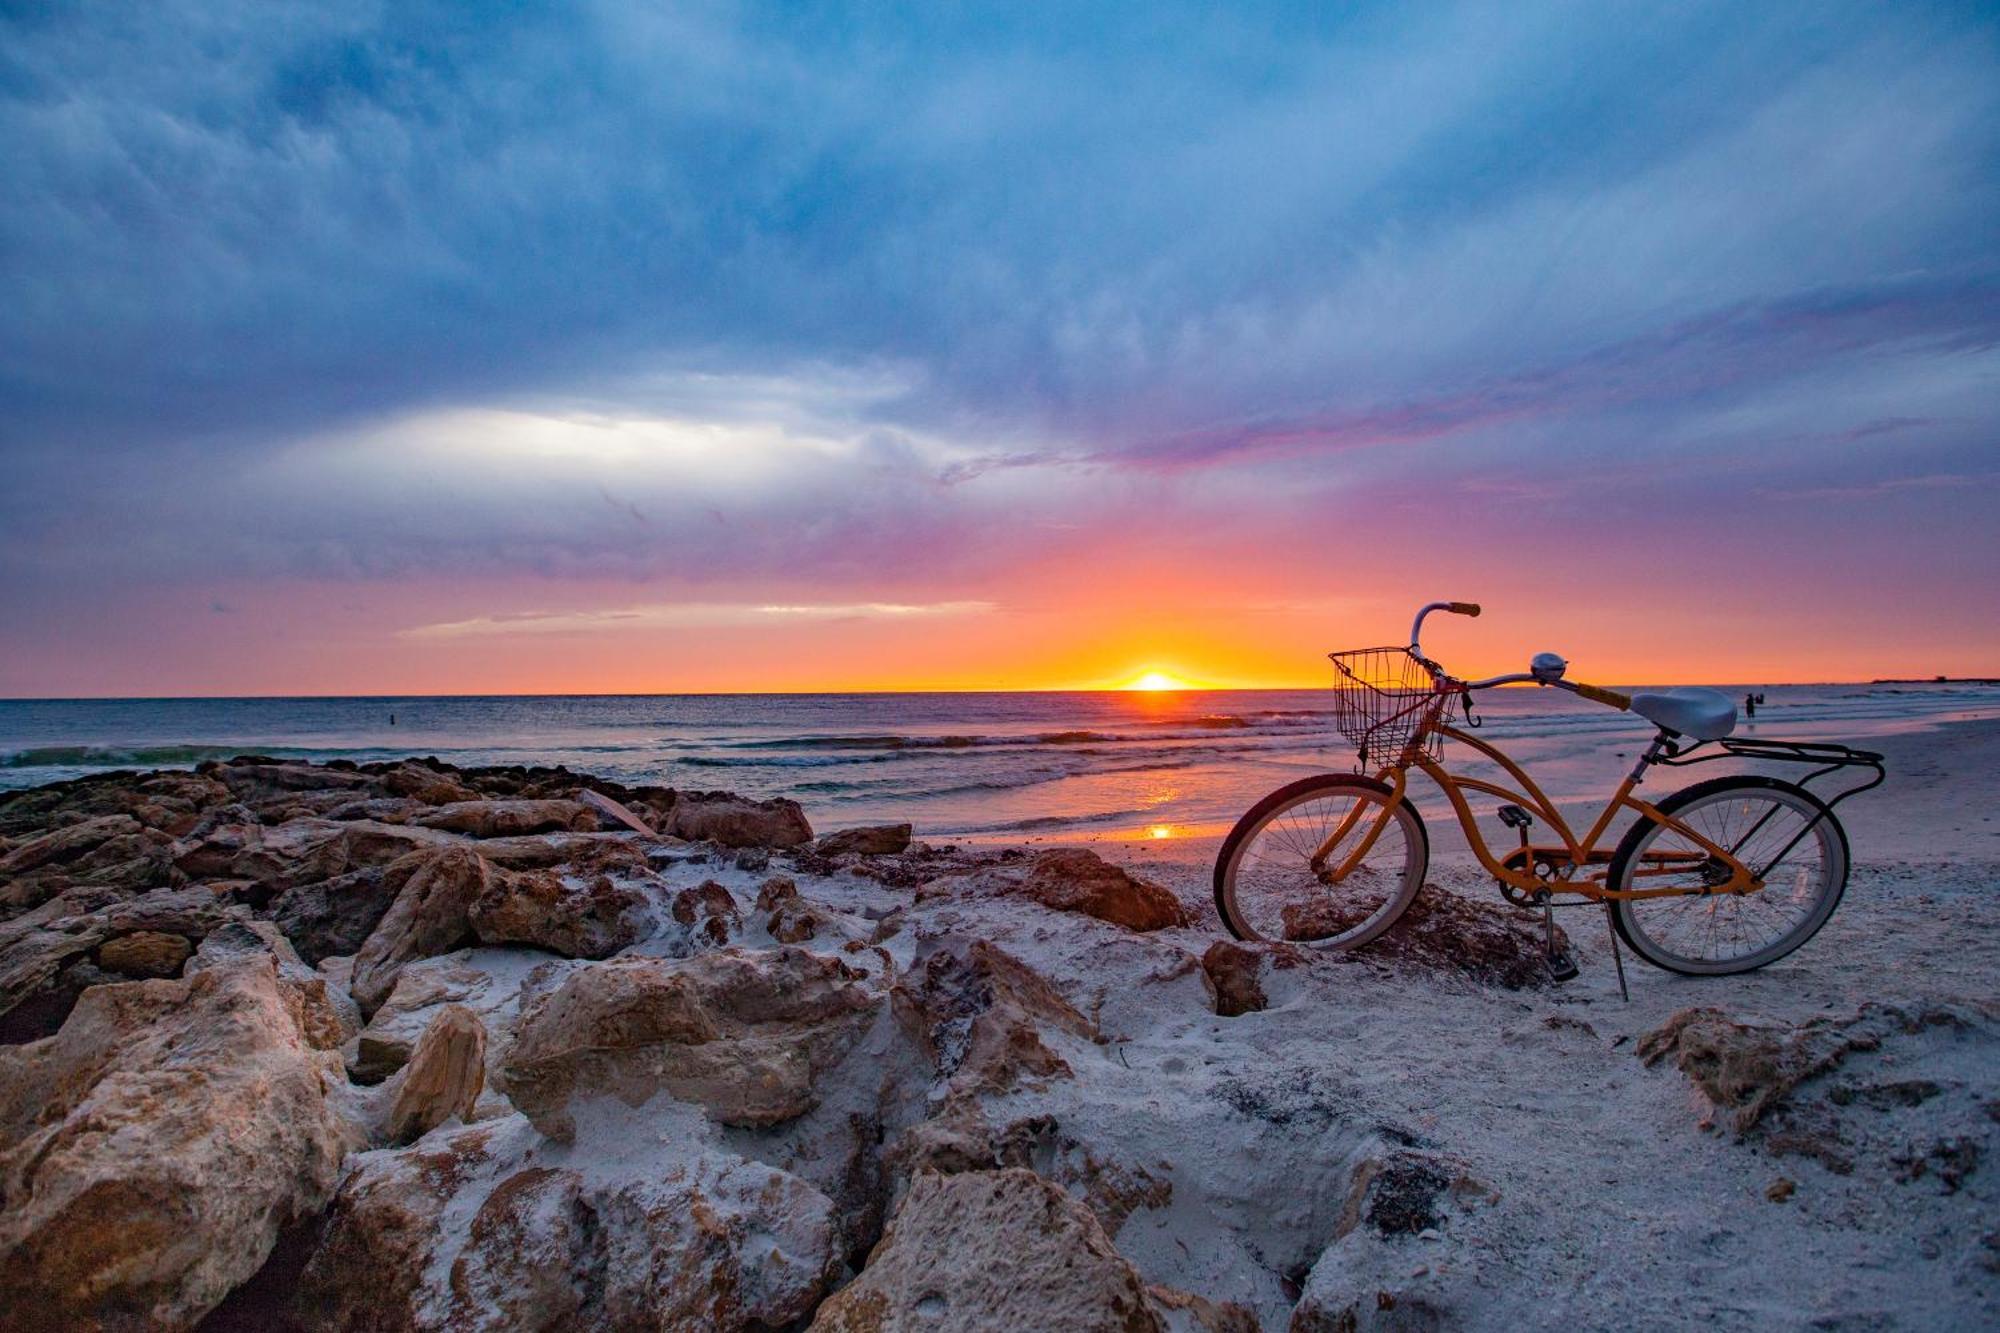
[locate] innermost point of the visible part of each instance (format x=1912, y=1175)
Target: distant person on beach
x=1750, y=705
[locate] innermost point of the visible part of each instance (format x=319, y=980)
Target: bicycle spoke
x=1704, y=930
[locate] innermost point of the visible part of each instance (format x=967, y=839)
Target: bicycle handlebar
x=1455, y=608
x=1597, y=694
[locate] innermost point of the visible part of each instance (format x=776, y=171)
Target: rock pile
x=519, y=1047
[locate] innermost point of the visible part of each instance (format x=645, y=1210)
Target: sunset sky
x=411, y=348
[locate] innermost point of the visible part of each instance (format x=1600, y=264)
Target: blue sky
x=339, y=323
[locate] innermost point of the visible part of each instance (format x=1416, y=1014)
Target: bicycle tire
x=1625, y=911
x=1417, y=839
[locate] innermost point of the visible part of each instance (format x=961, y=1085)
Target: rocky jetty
x=413, y=1047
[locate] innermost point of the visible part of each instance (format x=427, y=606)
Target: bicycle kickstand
x=1617, y=958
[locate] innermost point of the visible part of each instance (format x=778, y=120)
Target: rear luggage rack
x=1828, y=757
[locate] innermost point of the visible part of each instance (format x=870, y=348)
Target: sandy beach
x=1617, y=1208
x=1421, y=1133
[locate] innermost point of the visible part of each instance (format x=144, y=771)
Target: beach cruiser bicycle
x=1721, y=877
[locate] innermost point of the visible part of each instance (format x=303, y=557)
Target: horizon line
x=752, y=694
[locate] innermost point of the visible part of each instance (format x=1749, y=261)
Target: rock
x=492, y=983
x=112, y=851
x=1072, y=879
x=443, y=1078
x=426, y=785
x=154, y=1148
x=306, y=850
x=252, y=778
x=1748, y=1069
x=795, y=921
x=325, y=1013
x=169, y=802
x=145, y=953
x=991, y=1250
x=979, y=1015
x=44, y=953
x=1487, y=942
x=428, y=917
x=67, y=844
x=463, y=1233
x=745, y=1035
x=615, y=811
x=1239, y=972
x=1781, y=1189
x=590, y=916
x=381, y=809
x=775, y=890
x=735, y=821
x=1066, y=879
x=332, y=918
x=708, y=912
x=873, y=840
x=506, y=819
x=580, y=852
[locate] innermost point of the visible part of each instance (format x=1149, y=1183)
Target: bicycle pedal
x=1513, y=816
x=1562, y=967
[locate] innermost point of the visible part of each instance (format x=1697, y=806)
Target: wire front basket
x=1387, y=704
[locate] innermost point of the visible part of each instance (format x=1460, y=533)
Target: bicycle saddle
x=1706, y=715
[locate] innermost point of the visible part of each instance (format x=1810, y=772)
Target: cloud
x=685, y=616
x=766, y=306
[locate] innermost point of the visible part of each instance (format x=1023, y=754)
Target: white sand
x=1617, y=1210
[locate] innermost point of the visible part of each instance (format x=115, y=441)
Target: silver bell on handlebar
x=1547, y=668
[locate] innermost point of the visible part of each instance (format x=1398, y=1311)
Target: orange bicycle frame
x=1573, y=852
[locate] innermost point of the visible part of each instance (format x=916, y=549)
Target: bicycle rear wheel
x=1778, y=829
x=1266, y=886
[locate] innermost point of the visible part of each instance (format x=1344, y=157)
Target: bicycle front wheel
x=1781, y=831
x=1273, y=875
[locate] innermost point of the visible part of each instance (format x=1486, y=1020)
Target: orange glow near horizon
x=1149, y=628
x=1156, y=681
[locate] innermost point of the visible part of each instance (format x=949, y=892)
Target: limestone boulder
x=736, y=821
x=873, y=840
x=992, y=1250
x=323, y=1010
x=1067, y=879
x=50, y=955
x=251, y=778
x=303, y=850
x=580, y=853
x=1073, y=879
x=424, y=784
x=1748, y=1068
x=1243, y=973
x=429, y=916
x=493, y=984
x=708, y=913
x=334, y=917
x=145, y=953
x=153, y=1149
x=507, y=819
x=577, y=916
x=986, y=1021
x=443, y=1079
x=746, y=1035
x=468, y=1232
x=111, y=851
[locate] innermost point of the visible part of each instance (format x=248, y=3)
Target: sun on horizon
x=1157, y=680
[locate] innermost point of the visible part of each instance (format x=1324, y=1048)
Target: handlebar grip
x=1599, y=695
x=1462, y=608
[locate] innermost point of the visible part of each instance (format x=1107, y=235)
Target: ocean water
x=1000, y=765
